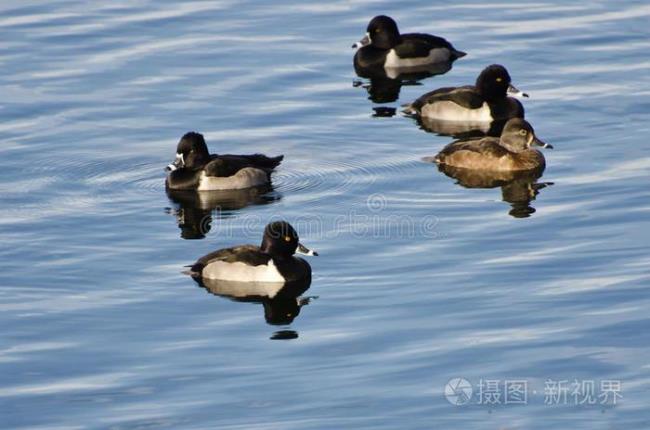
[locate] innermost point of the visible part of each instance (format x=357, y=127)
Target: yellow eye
x=377, y=30
x=523, y=132
x=499, y=79
x=287, y=238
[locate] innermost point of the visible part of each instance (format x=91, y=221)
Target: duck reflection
x=384, y=85
x=517, y=188
x=460, y=129
x=194, y=209
x=281, y=301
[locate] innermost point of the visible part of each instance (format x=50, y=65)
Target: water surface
x=420, y=280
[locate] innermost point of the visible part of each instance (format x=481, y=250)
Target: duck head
x=191, y=152
x=281, y=241
x=494, y=83
x=382, y=33
x=518, y=135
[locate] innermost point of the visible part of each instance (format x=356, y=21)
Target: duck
x=510, y=152
x=271, y=262
x=384, y=46
x=486, y=101
x=196, y=169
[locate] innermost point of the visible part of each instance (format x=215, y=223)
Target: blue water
x=419, y=280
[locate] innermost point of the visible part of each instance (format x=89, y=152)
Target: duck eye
x=377, y=30
x=523, y=132
x=287, y=238
x=499, y=79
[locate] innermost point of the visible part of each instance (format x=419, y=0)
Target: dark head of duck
x=281, y=241
x=191, y=152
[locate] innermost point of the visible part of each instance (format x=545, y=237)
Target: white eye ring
x=523, y=132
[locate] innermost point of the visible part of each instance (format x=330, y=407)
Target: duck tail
x=194, y=270
x=457, y=54
x=409, y=110
x=277, y=160
x=437, y=159
x=265, y=162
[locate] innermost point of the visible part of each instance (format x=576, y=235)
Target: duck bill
x=363, y=42
x=514, y=91
x=541, y=143
x=177, y=164
x=302, y=249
